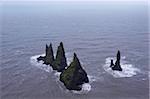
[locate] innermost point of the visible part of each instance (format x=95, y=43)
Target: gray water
x=95, y=31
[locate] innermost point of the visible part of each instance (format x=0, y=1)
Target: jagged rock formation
x=60, y=62
x=49, y=56
x=74, y=76
x=117, y=65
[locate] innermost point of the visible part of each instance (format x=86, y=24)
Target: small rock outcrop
x=112, y=63
x=49, y=56
x=74, y=76
x=60, y=61
x=117, y=65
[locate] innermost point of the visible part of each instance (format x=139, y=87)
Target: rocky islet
x=116, y=66
x=72, y=76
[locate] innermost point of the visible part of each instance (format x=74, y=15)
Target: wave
x=128, y=69
x=33, y=61
x=86, y=87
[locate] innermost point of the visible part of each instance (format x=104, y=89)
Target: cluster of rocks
x=73, y=76
x=49, y=56
x=117, y=65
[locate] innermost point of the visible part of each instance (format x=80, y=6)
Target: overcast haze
x=83, y=0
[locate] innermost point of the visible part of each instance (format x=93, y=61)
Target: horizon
x=40, y=2
x=80, y=0
x=124, y=1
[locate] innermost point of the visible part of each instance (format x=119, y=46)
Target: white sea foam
x=33, y=61
x=69, y=58
x=92, y=78
x=86, y=87
x=128, y=69
x=57, y=74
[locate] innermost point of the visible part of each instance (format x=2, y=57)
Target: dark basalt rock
x=112, y=63
x=41, y=58
x=49, y=56
x=60, y=62
x=117, y=65
x=74, y=76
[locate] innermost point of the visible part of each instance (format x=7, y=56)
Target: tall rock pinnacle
x=49, y=56
x=60, y=62
x=74, y=76
x=117, y=65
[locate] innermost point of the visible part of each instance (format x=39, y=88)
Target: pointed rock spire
x=60, y=62
x=117, y=65
x=49, y=56
x=74, y=75
x=76, y=61
x=118, y=55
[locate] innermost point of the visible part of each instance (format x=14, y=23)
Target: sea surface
x=95, y=31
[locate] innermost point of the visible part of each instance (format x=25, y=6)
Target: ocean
x=95, y=31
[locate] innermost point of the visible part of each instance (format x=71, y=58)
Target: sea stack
x=117, y=65
x=60, y=61
x=49, y=56
x=74, y=76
